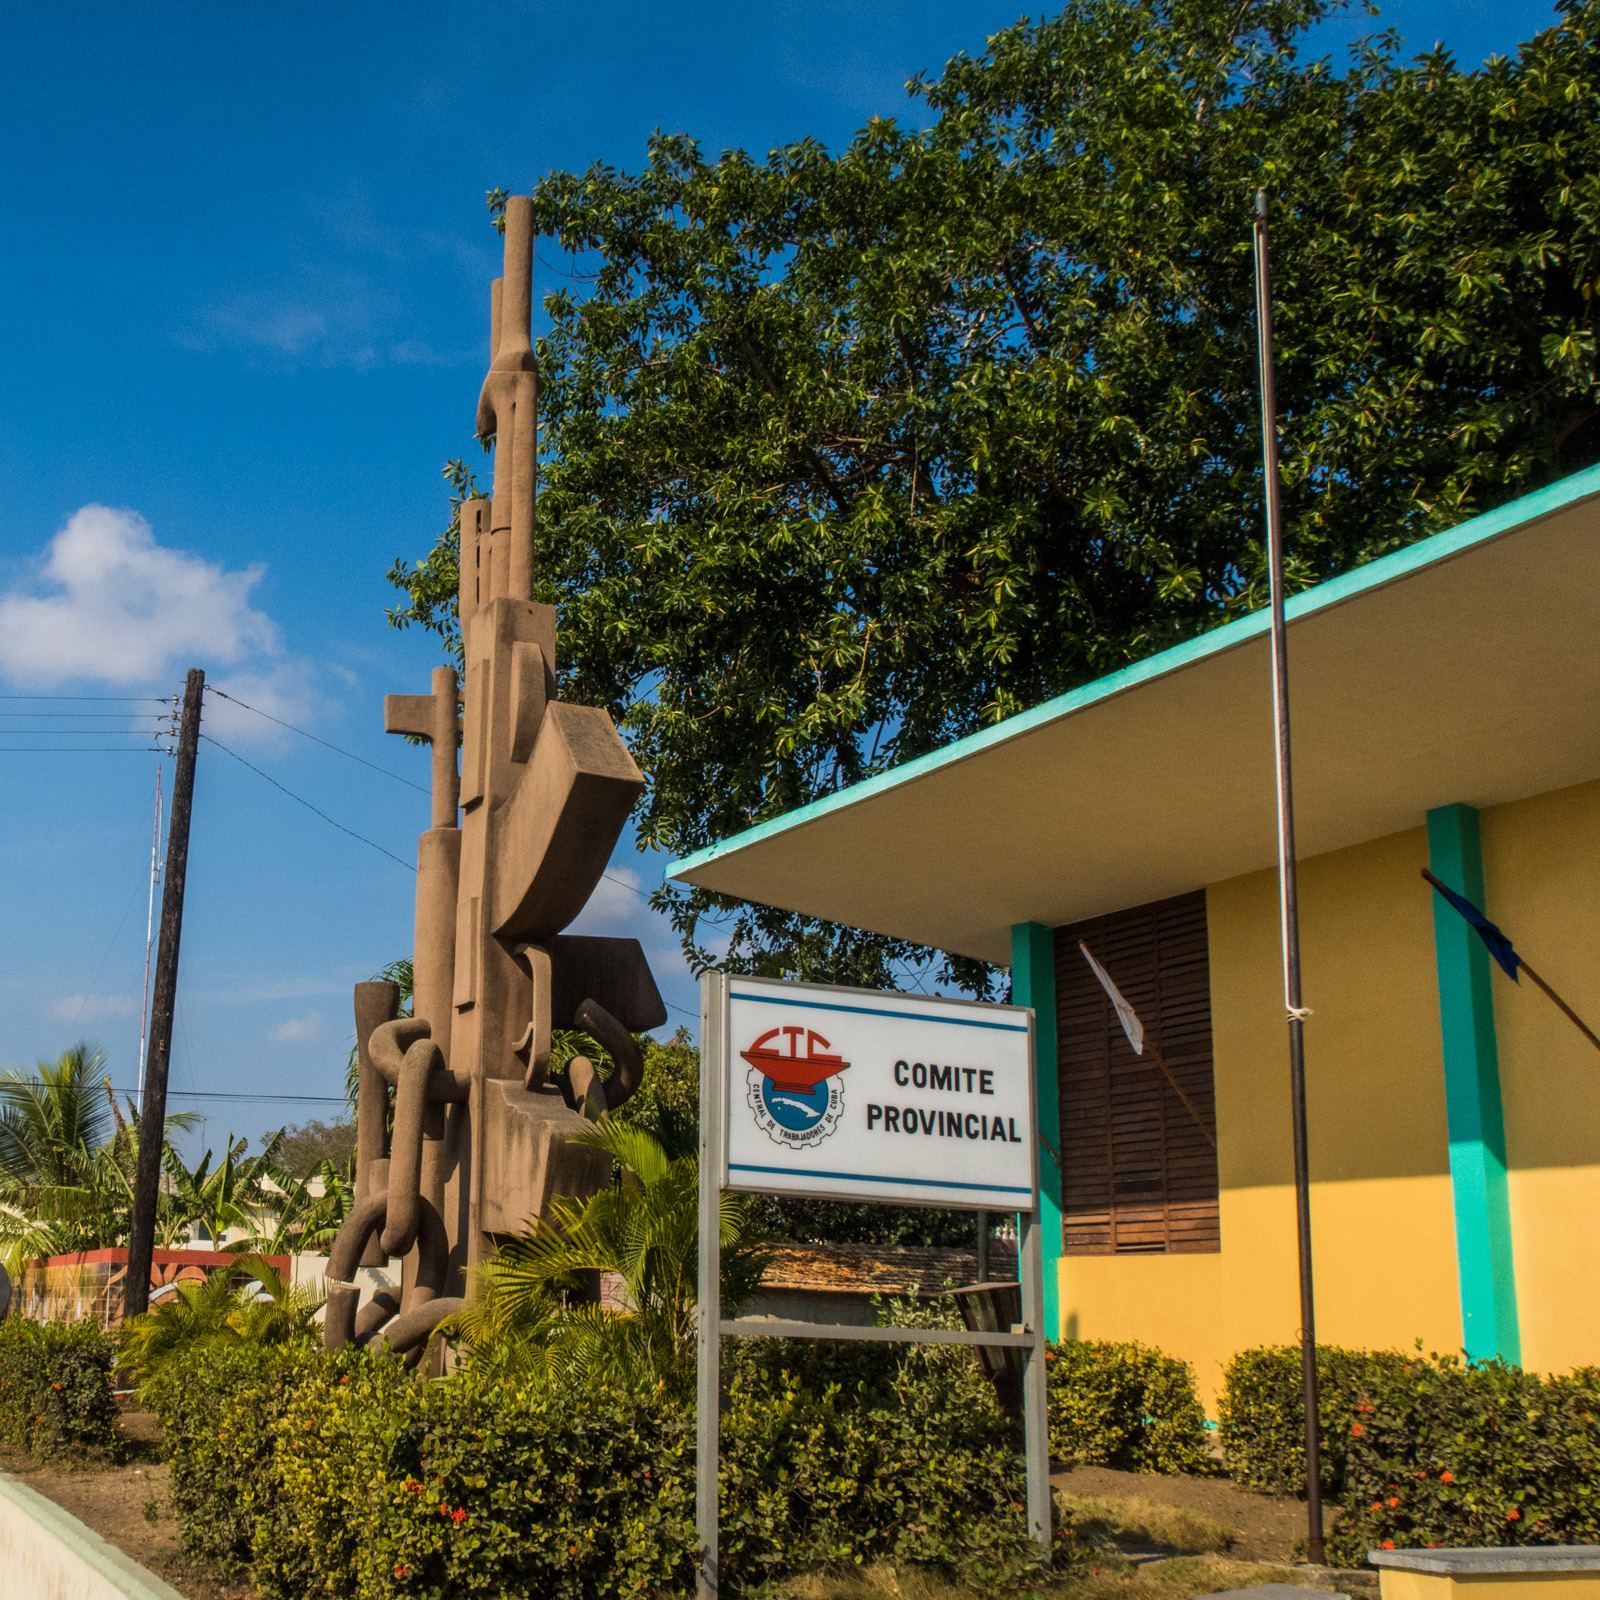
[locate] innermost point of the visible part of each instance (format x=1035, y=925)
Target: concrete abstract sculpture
x=480, y=1139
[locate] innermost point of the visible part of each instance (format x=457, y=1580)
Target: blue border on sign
x=873, y=1177
x=873, y=1011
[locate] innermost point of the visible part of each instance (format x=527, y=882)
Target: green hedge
x=341, y=1476
x=1262, y=1413
x=1442, y=1452
x=55, y=1389
x=1126, y=1406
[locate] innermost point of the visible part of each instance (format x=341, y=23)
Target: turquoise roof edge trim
x=1438, y=547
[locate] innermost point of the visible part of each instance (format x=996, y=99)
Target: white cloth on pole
x=1131, y=1025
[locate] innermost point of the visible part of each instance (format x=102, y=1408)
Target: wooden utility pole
x=153, y=1110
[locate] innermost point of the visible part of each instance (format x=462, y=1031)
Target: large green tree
x=845, y=455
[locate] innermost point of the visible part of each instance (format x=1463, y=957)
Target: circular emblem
x=797, y=1099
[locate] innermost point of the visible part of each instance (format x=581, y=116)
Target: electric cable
x=339, y=749
x=306, y=803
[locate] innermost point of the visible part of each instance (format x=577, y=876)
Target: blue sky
x=244, y=264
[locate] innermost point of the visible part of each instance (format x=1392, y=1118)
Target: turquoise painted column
x=1472, y=1095
x=1033, y=983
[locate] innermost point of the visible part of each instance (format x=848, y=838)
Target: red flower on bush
x=1513, y=1515
x=401, y=1572
x=1447, y=1476
x=1357, y=1429
x=56, y=1387
x=1394, y=1500
x=458, y=1515
x=1377, y=1505
x=1388, y=1544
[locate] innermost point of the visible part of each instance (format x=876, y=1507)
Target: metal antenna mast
x=1289, y=888
x=149, y=933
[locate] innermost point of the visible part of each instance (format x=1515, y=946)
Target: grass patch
x=1143, y=1524
x=1115, y=1579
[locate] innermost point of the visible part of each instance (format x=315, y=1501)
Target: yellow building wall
x=1381, y=1203
x=1541, y=865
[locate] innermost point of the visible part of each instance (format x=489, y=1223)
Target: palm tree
x=289, y=1217
x=645, y=1230
x=223, y=1197
x=264, y=1309
x=67, y=1157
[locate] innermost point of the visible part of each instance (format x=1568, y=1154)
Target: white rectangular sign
x=860, y=1095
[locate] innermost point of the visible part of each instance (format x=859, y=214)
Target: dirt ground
x=127, y=1506
x=1264, y=1528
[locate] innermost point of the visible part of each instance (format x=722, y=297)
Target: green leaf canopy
x=846, y=455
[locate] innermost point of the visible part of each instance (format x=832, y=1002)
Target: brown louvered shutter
x=1138, y=1175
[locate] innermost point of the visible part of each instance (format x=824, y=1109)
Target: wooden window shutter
x=1138, y=1175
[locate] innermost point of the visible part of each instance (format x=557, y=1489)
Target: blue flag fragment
x=1498, y=945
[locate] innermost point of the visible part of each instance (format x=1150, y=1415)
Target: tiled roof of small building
x=888, y=1269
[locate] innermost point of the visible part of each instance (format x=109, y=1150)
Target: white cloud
x=94, y=1007
x=117, y=606
x=616, y=906
x=285, y=691
x=299, y=1030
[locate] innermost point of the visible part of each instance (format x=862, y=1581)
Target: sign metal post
x=932, y=1147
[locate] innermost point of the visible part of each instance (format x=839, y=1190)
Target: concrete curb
x=47, y=1554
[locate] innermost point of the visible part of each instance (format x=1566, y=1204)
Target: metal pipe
x=1289, y=887
x=149, y=934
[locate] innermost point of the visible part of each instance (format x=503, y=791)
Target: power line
x=187, y=1094
x=97, y=716
x=339, y=749
x=121, y=699
x=306, y=803
x=81, y=749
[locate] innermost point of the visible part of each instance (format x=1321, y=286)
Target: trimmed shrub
x=339, y=1476
x=1262, y=1413
x=1126, y=1406
x=218, y=1414
x=55, y=1389
x=1443, y=1452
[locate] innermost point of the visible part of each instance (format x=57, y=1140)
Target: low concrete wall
x=45, y=1554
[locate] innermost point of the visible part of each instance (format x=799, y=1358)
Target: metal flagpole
x=708, y=1285
x=1289, y=888
x=149, y=933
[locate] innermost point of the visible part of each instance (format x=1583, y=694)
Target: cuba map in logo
x=797, y=1099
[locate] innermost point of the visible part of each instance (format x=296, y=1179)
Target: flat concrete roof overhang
x=1463, y=668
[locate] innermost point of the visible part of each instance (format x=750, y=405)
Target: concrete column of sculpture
x=434, y=717
x=482, y=1139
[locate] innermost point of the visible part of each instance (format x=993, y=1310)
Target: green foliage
x=1442, y=1452
x=55, y=1389
x=645, y=1229
x=667, y=1103
x=218, y=1414
x=307, y=1145
x=263, y=1309
x=339, y=1476
x=1126, y=1406
x=846, y=455
x=67, y=1158
x=1262, y=1413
